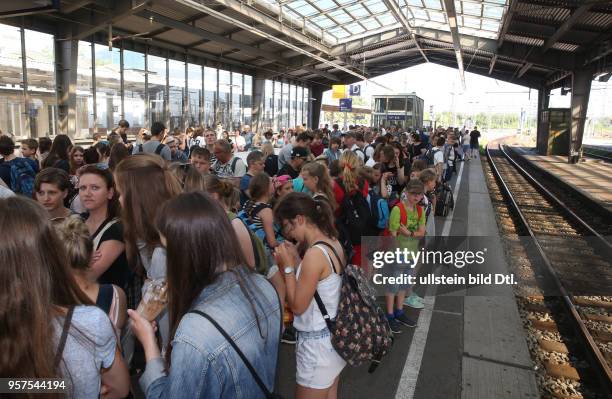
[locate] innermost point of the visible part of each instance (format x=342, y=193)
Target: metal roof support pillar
x=314, y=108
x=259, y=87
x=541, y=137
x=451, y=15
x=581, y=88
x=66, y=56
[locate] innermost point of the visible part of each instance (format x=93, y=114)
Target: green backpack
x=259, y=250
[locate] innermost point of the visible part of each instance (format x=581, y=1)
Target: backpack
x=360, y=331
x=250, y=223
x=356, y=215
x=404, y=216
x=158, y=150
x=359, y=150
x=22, y=177
x=429, y=155
x=445, y=201
x=259, y=251
x=379, y=208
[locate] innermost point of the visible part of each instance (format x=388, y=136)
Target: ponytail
x=317, y=212
x=349, y=165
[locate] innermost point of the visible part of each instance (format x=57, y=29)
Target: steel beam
x=492, y=64
x=399, y=16
x=263, y=19
x=506, y=22
x=524, y=69
x=451, y=16
x=174, y=24
x=567, y=25
x=123, y=10
x=581, y=89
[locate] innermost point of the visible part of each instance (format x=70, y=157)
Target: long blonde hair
x=350, y=164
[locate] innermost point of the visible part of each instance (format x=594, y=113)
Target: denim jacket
x=203, y=364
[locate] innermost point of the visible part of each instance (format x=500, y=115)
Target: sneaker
x=289, y=336
x=395, y=326
x=405, y=320
x=414, y=301
x=411, y=298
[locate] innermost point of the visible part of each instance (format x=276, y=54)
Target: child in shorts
x=407, y=224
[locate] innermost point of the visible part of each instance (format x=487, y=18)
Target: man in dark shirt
x=292, y=168
x=474, y=136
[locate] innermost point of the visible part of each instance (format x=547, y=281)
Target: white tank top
x=329, y=291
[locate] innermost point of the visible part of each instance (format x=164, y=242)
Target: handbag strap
x=62, y=342
x=246, y=362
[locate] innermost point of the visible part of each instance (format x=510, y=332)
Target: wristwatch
x=289, y=269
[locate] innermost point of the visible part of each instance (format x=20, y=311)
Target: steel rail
x=597, y=359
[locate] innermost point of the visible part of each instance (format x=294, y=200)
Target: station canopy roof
x=322, y=42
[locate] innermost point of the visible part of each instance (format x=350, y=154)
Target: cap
x=281, y=180
x=299, y=152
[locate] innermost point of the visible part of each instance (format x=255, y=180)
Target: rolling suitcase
x=445, y=201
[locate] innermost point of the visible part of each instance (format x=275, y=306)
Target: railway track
x=570, y=329
x=597, y=153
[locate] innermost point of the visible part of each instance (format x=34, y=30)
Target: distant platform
x=593, y=178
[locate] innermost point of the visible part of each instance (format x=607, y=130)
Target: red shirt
x=339, y=192
x=317, y=149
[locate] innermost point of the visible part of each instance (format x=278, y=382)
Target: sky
x=440, y=86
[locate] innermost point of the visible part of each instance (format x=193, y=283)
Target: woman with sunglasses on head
x=309, y=222
x=98, y=197
x=49, y=328
x=51, y=188
x=211, y=292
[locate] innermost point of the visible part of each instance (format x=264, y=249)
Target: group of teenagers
x=242, y=247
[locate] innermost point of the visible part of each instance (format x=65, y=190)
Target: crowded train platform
x=240, y=199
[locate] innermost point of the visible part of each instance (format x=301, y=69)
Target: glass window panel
x=339, y=32
x=39, y=50
x=380, y=105
x=323, y=22
x=12, y=101
x=386, y=19
x=292, y=106
x=210, y=96
x=437, y=16
x=176, y=96
x=223, y=110
x=306, y=115
x=376, y=6
x=471, y=22
x=278, y=105
x=156, y=70
x=434, y=4
x=357, y=11
x=108, y=86
x=490, y=25
x=247, y=100
x=326, y=4
x=296, y=4
x=285, y=112
x=84, y=96
x=236, y=100
x=419, y=14
x=493, y=11
x=471, y=8
x=299, y=105
x=340, y=16
x=371, y=23
x=194, y=86
x=397, y=104
x=268, y=122
x=305, y=10
x=134, y=89
x=417, y=3
x=355, y=28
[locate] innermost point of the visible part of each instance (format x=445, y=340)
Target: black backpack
x=356, y=217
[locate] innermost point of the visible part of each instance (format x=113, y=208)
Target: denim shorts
x=317, y=362
x=397, y=270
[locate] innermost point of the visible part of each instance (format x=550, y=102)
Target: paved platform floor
x=469, y=342
x=592, y=177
